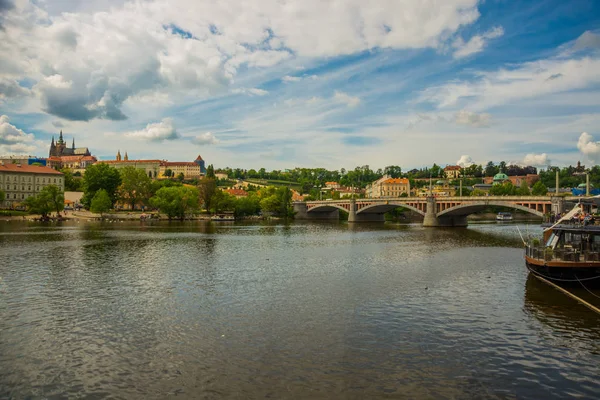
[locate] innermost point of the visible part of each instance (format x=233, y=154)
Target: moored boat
x=504, y=216
x=569, y=251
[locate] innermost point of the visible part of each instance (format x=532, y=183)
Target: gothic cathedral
x=60, y=149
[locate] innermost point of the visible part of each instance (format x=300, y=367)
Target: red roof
x=129, y=161
x=237, y=192
x=179, y=164
x=28, y=169
x=452, y=168
x=396, y=180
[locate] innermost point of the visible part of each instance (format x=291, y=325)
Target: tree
x=523, y=190
x=222, y=201
x=249, y=205
x=207, y=187
x=176, y=201
x=504, y=189
x=55, y=197
x=393, y=171
x=135, y=186
x=210, y=172
x=180, y=177
x=277, y=201
x=100, y=176
x=101, y=202
x=539, y=189
x=168, y=173
x=71, y=184
x=2, y=196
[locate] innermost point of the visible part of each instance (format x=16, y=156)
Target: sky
x=304, y=83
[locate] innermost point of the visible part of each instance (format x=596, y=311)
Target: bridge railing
x=533, y=199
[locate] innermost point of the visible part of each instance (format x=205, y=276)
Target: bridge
x=436, y=211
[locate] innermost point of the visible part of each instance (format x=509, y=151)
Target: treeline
x=105, y=188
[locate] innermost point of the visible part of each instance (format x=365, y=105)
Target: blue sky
x=305, y=84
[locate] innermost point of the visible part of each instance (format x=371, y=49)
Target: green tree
x=207, y=187
x=504, y=189
x=55, y=197
x=101, y=202
x=393, y=171
x=210, y=172
x=100, y=176
x=71, y=183
x=277, y=201
x=180, y=177
x=539, y=189
x=246, y=206
x=168, y=173
x=2, y=196
x=135, y=186
x=176, y=201
x=523, y=190
x=39, y=204
x=222, y=201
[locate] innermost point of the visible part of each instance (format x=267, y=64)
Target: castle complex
x=60, y=149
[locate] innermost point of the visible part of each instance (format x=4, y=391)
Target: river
x=301, y=310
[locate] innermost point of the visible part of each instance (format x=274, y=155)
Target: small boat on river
x=504, y=216
x=569, y=252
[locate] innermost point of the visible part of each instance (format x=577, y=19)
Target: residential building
x=332, y=185
x=238, y=193
x=441, y=188
x=388, y=187
x=24, y=160
x=74, y=163
x=20, y=181
x=452, y=171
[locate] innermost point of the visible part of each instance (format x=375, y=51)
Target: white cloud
x=14, y=140
x=525, y=81
x=157, y=131
x=250, y=91
x=350, y=101
x=206, y=138
x=476, y=43
x=289, y=78
x=588, y=147
x=470, y=118
x=465, y=161
x=588, y=39
x=9, y=89
x=536, y=160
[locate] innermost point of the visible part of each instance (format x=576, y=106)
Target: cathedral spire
x=73, y=147
x=126, y=157
x=52, y=144
x=60, y=138
x=118, y=155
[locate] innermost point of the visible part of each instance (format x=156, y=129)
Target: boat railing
x=561, y=254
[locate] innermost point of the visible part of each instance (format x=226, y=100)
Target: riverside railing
x=561, y=254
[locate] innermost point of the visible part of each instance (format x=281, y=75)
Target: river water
x=305, y=310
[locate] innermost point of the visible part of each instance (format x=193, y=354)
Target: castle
x=60, y=149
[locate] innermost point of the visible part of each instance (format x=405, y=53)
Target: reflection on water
x=303, y=310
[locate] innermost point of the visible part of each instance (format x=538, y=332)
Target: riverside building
x=20, y=181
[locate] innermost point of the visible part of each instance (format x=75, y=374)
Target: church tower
x=118, y=155
x=52, y=151
x=126, y=157
x=73, y=146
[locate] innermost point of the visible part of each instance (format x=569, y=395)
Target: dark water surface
x=200, y=310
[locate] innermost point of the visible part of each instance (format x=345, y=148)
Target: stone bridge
x=436, y=211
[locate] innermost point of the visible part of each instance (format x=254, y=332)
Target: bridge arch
x=326, y=208
x=383, y=208
x=470, y=208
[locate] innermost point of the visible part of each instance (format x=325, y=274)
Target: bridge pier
x=432, y=220
x=353, y=216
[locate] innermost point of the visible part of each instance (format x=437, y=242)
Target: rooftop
x=28, y=169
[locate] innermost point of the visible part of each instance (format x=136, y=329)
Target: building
x=24, y=160
x=452, y=171
x=441, y=188
x=74, y=163
x=20, y=181
x=200, y=162
x=60, y=148
x=332, y=185
x=388, y=187
x=190, y=170
x=238, y=193
x=151, y=167
x=530, y=179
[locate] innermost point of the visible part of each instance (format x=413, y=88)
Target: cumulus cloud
x=350, y=101
x=492, y=88
x=588, y=147
x=13, y=139
x=9, y=88
x=206, y=138
x=587, y=40
x=536, y=160
x=465, y=161
x=476, y=44
x=250, y=91
x=87, y=65
x=289, y=78
x=158, y=131
x=470, y=118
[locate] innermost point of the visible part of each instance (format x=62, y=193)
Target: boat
x=504, y=216
x=223, y=218
x=569, y=251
